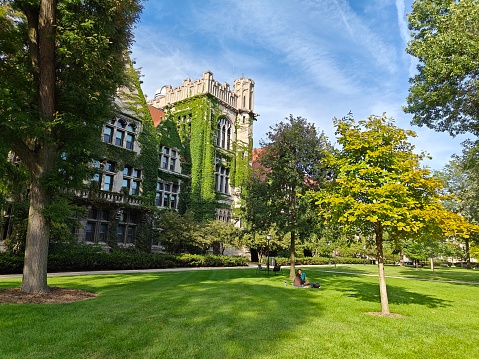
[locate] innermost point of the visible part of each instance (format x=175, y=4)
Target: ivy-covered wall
x=195, y=120
x=134, y=106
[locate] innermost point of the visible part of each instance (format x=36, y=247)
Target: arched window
x=223, y=135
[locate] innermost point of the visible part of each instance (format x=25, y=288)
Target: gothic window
x=223, y=135
x=119, y=138
x=166, y=195
x=120, y=133
x=223, y=215
x=125, y=233
x=107, y=134
x=222, y=179
x=131, y=180
x=129, y=141
x=168, y=159
x=104, y=175
x=97, y=226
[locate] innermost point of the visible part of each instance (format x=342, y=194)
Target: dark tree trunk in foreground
x=40, y=158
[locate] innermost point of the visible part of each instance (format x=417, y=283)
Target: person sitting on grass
x=304, y=279
x=297, y=280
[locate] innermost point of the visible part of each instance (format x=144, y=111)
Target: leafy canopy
x=445, y=40
x=378, y=179
x=292, y=160
x=91, y=39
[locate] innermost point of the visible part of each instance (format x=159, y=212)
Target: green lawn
x=235, y=313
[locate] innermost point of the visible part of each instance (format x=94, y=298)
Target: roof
x=157, y=115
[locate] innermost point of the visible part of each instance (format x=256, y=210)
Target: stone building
x=214, y=125
x=188, y=149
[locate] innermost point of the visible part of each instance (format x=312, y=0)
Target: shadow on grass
x=442, y=273
x=365, y=290
x=202, y=314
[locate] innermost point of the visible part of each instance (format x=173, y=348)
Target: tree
x=445, y=40
x=379, y=187
x=461, y=177
x=60, y=67
x=292, y=160
x=180, y=233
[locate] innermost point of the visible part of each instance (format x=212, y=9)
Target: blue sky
x=317, y=59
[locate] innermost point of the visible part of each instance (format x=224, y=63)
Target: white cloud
x=317, y=59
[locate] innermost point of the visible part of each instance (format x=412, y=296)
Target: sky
x=318, y=59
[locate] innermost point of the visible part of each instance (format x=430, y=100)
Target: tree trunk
x=38, y=235
x=382, y=278
x=431, y=262
x=292, y=270
x=41, y=159
x=468, y=255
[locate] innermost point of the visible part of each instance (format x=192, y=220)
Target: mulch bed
x=55, y=296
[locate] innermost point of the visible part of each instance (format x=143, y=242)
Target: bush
x=11, y=263
x=75, y=257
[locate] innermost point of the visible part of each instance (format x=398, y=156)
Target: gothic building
x=214, y=128
x=188, y=149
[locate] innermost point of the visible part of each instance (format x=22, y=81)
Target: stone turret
x=244, y=91
x=240, y=99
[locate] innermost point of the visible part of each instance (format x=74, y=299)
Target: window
x=222, y=179
x=223, y=135
x=90, y=232
x=107, y=176
x=135, y=188
x=167, y=195
x=107, y=134
x=96, y=175
x=96, y=229
x=122, y=133
x=125, y=233
x=120, y=233
x=223, y=215
x=168, y=159
x=129, y=141
x=131, y=180
x=107, y=182
x=119, y=138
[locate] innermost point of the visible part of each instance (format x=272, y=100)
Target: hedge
x=321, y=260
x=92, y=259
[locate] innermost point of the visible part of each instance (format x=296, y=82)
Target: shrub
x=11, y=263
x=72, y=257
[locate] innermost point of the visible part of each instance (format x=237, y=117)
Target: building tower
x=215, y=125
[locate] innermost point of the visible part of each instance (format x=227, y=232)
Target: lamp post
x=268, y=237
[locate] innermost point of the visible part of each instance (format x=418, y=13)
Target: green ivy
x=195, y=138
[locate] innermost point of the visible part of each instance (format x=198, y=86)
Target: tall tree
x=60, y=66
x=379, y=187
x=461, y=176
x=445, y=40
x=293, y=161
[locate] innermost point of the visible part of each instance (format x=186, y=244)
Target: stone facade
x=230, y=115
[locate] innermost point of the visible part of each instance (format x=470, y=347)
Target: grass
x=235, y=313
